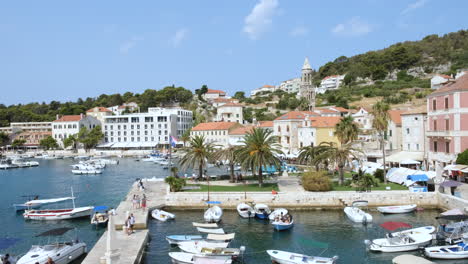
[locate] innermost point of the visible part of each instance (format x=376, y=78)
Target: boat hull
x=62, y=214
x=447, y=252
x=175, y=239
x=65, y=255
x=162, y=215
x=213, y=214
x=397, y=209
x=282, y=226
x=357, y=215
x=245, y=211
x=283, y=257
x=384, y=244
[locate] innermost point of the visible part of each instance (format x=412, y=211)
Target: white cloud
x=179, y=36
x=261, y=18
x=413, y=6
x=353, y=27
x=299, y=31
x=126, y=46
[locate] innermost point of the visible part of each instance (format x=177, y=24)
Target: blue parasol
x=101, y=208
x=7, y=242
x=213, y=202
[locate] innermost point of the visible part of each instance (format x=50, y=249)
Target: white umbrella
x=409, y=162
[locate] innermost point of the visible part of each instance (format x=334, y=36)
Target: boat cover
x=221, y=237
x=55, y=232
x=395, y=225
x=213, y=202
x=101, y=208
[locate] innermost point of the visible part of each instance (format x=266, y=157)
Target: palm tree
x=186, y=136
x=307, y=155
x=346, y=130
x=260, y=148
x=228, y=154
x=380, y=124
x=339, y=155
x=197, y=155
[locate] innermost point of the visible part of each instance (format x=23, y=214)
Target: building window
x=435, y=125
x=408, y=147
x=390, y=133
x=279, y=129
x=435, y=146
x=447, y=124
x=417, y=146
x=287, y=128
x=447, y=147
x=446, y=103
x=434, y=104
x=407, y=131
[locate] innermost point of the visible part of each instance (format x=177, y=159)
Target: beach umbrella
x=391, y=226
x=451, y=184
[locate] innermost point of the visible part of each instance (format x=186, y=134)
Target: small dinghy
x=397, y=209
x=277, y=213
x=210, y=250
x=283, y=257
x=213, y=214
x=188, y=258
x=262, y=211
x=162, y=215
x=218, y=237
x=100, y=217
x=283, y=223
x=245, y=210
x=195, y=246
x=458, y=251
x=206, y=225
x=175, y=239
x=211, y=230
x=357, y=215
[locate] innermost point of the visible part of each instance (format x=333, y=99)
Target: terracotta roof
x=341, y=109
x=395, y=116
x=460, y=84
x=99, y=109
x=211, y=91
x=214, y=126
x=223, y=100
x=241, y=130
x=326, y=110
x=295, y=115
x=324, y=121
x=231, y=104
x=331, y=76
x=445, y=76
x=69, y=118
x=265, y=124
x=418, y=110
x=268, y=86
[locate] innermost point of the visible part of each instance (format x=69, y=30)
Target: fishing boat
x=36, y=203
x=100, y=216
x=220, y=237
x=397, y=209
x=284, y=257
x=60, y=252
x=214, y=213
x=85, y=169
x=211, y=230
x=245, y=210
x=277, y=213
x=162, y=215
x=356, y=214
x=188, y=258
x=188, y=246
x=175, y=239
x=262, y=211
x=458, y=251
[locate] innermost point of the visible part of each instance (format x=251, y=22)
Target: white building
x=413, y=128
x=236, y=135
x=264, y=89
x=332, y=82
x=286, y=127
x=439, y=80
x=215, y=132
x=70, y=125
x=131, y=107
x=364, y=118
x=99, y=113
x=214, y=94
x=230, y=112
x=291, y=86
x=145, y=130
x=221, y=101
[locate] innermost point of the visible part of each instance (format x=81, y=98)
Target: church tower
x=307, y=88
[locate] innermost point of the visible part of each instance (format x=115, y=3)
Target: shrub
x=316, y=181
x=175, y=183
x=379, y=174
x=462, y=158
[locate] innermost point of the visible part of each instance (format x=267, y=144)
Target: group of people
x=129, y=223
x=139, y=203
x=283, y=218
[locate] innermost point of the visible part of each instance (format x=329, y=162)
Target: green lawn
x=267, y=187
x=393, y=186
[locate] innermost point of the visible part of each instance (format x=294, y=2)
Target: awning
x=105, y=145
x=119, y=145
x=418, y=177
x=409, y=162
x=405, y=155
x=455, y=167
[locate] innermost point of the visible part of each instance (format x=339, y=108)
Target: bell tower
x=307, y=88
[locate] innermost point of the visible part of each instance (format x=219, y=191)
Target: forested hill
x=428, y=53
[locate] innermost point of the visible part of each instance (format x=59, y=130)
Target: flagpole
x=170, y=155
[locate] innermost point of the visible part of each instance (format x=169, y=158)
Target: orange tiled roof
x=214, y=126
x=231, y=104
x=419, y=110
x=460, y=84
x=99, y=109
x=341, y=109
x=68, y=118
x=395, y=116
x=265, y=124
x=445, y=76
x=268, y=86
x=295, y=115
x=223, y=100
x=241, y=130
x=211, y=91
x=324, y=121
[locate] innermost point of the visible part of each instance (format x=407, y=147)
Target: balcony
x=439, y=133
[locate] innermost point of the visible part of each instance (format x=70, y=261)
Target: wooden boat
x=279, y=225
x=262, y=211
x=207, y=225
x=357, y=215
x=213, y=214
x=284, y=257
x=188, y=258
x=458, y=251
x=211, y=230
x=58, y=214
x=278, y=212
x=195, y=246
x=175, y=239
x=397, y=209
x=245, y=210
x=162, y=215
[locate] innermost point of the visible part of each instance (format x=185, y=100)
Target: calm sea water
x=54, y=179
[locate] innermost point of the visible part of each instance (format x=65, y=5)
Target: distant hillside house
x=99, y=113
x=439, y=80
x=263, y=89
x=230, y=112
x=291, y=85
x=214, y=94
x=131, y=107
x=331, y=82
x=221, y=101
x=215, y=132
x=70, y=125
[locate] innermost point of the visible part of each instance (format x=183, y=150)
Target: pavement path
x=288, y=183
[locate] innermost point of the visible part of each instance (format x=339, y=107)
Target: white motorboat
x=58, y=214
x=458, y=251
x=36, y=203
x=61, y=252
x=206, y=225
x=262, y=211
x=24, y=163
x=93, y=163
x=6, y=164
x=284, y=257
x=245, y=210
x=195, y=247
x=418, y=230
x=85, y=169
x=162, y=215
x=213, y=214
x=211, y=230
x=105, y=161
x=357, y=215
x=278, y=212
x=397, y=209
x=188, y=258
x=401, y=242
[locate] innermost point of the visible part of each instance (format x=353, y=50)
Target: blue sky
x=63, y=50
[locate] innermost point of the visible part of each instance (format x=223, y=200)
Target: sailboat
x=59, y=214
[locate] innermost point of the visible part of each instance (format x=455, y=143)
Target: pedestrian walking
x=143, y=202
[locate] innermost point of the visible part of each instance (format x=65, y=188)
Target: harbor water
x=53, y=178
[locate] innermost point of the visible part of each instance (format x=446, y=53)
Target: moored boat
x=458, y=251
x=397, y=209
x=262, y=211
x=100, y=216
x=245, y=210
x=85, y=169
x=213, y=214
x=277, y=213
x=280, y=225
x=284, y=257
x=162, y=215
x=357, y=215
x=195, y=246
x=188, y=258
x=211, y=230
x=58, y=214
x=175, y=239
